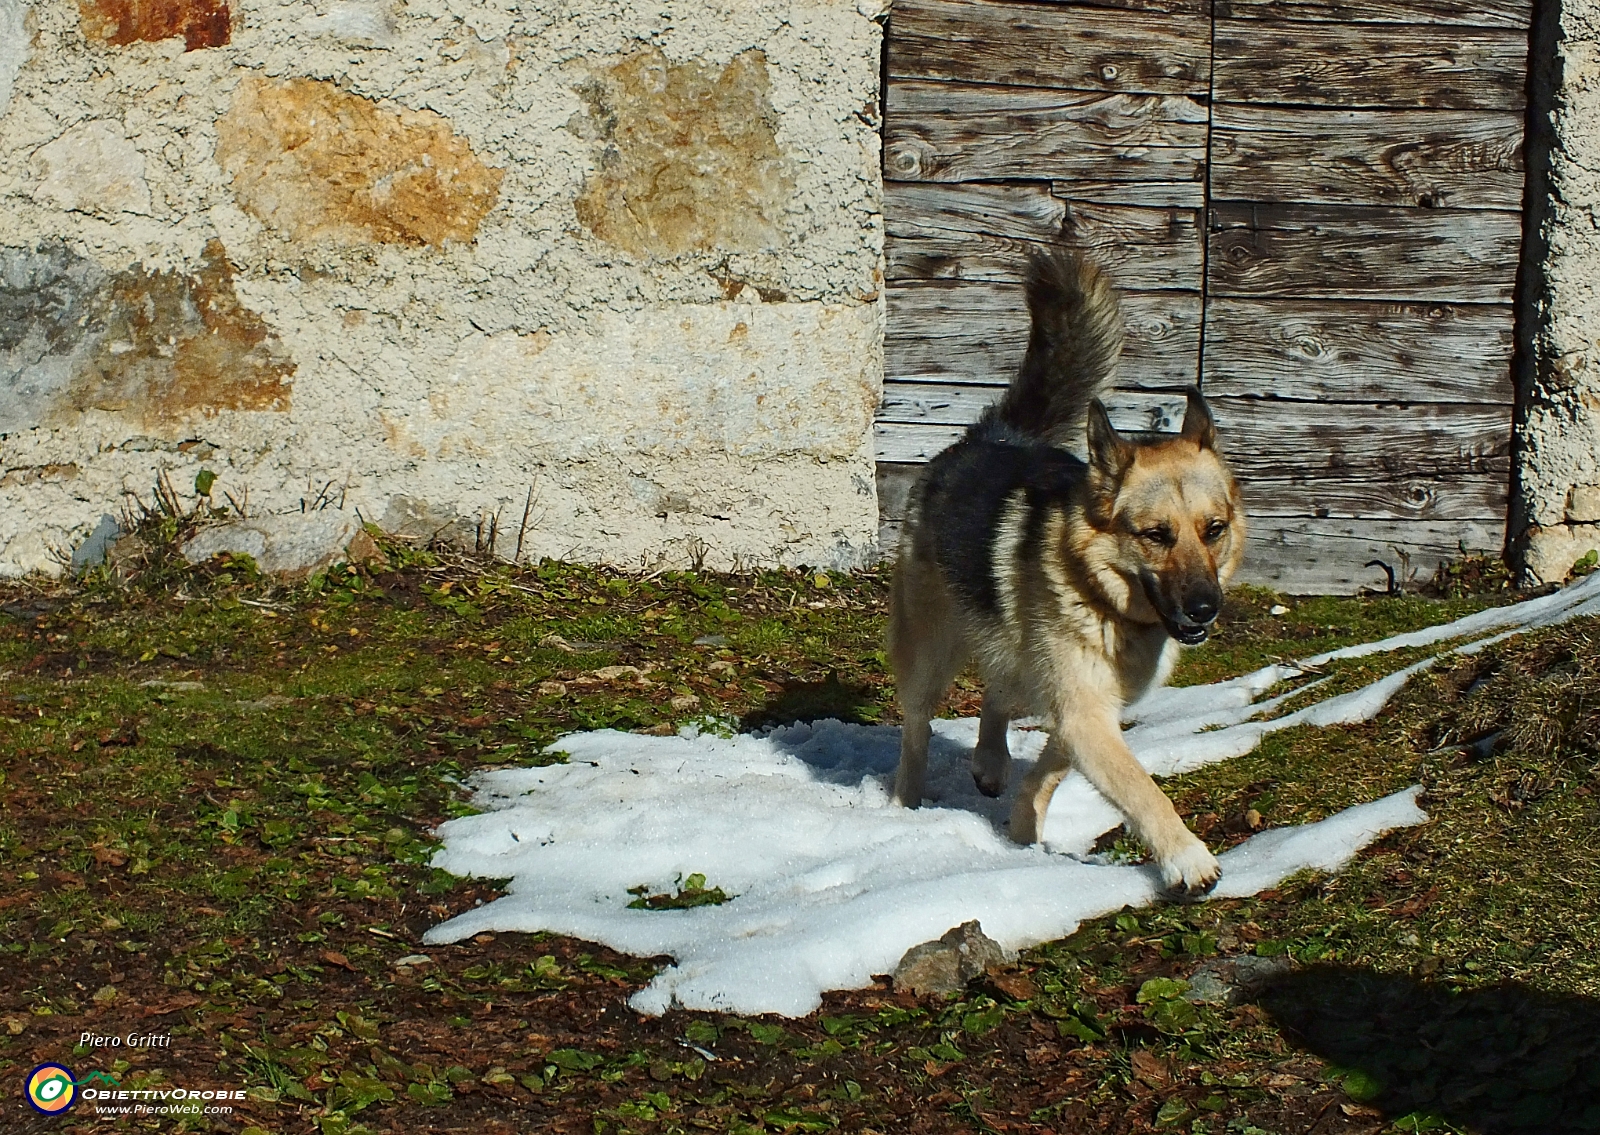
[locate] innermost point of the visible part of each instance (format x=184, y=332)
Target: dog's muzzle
x=1192, y=634
x=1192, y=624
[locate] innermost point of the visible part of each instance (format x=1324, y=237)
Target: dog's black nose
x=1202, y=611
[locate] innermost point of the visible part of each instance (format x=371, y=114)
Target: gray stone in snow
x=946, y=964
x=293, y=543
x=95, y=545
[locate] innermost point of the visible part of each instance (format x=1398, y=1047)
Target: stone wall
x=1556, y=507
x=435, y=259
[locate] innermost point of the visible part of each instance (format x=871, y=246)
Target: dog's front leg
x=1092, y=741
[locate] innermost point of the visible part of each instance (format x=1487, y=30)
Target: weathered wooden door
x=1313, y=209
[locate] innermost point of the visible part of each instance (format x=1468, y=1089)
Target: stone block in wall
x=157, y=348
x=690, y=157
x=1583, y=505
x=15, y=44
x=200, y=23
x=317, y=163
x=92, y=168
x=1554, y=550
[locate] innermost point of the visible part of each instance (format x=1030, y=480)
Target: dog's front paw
x=1191, y=872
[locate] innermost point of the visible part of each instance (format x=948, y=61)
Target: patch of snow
x=1581, y=598
x=832, y=881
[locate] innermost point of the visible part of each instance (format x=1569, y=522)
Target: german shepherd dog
x=1069, y=582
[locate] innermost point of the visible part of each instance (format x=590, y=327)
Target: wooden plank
x=1167, y=7
x=1365, y=65
x=1462, y=496
x=1302, y=441
x=911, y=444
x=977, y=332
x=1152, y=194
x=959, y=404
x=888, y=540
x=1430, y=158
x=1469, y=498
x=954, y=132
x=984, y=232
x=1321, y=490
x=922, y=210
x=1326, y=557
x=908, y=443
x=1346, y=351
x=1512, y=14
x=1334, y=252
x=1050, y=45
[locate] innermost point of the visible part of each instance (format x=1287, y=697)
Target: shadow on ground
x=1506, y=1060
x=815, y=701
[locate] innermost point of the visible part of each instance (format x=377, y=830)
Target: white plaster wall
x=1559, y=463
x=658, y=411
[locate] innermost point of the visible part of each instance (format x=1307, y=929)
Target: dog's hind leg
x=926, y=651
x=991, y=759
x=920, y=687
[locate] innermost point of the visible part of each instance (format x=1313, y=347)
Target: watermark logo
x=52, y=1089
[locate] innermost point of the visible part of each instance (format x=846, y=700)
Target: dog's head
x=1167, y=518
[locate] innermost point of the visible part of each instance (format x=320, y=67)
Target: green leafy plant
x=692, y=893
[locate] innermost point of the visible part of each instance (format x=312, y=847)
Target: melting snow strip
x=832, y=881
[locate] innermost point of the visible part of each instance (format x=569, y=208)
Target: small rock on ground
x=293, y=543
x=1229, y=981
x=946, y=964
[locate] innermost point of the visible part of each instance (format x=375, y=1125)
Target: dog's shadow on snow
x=847, y=752
x=1505, y=1060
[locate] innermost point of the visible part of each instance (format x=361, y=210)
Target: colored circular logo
x=51, y=1089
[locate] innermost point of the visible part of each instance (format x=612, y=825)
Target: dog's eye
x=1215, y=529
x=1161, y=534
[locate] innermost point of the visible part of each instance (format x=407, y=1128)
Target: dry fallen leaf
x=1149, y=1067
x=1018, y=986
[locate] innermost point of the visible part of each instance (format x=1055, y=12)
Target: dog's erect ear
x=1109, y=452
x=1197, y=424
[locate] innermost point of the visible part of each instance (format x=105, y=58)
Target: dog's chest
x=1146, y=660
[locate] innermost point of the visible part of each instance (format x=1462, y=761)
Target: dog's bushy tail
x=1072, y=351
